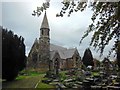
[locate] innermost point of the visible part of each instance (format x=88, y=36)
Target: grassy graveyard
x=73, y=78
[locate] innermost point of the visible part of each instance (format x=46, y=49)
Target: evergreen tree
x=13, y=55
x=88, y=58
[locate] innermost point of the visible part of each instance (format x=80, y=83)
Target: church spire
x=45, y=22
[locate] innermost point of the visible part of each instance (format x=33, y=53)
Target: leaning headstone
x=79, y=83
x=110, y=87
x=60, y=86
x=104, y=88
x=96, y=87
x=68, y=80
x=55, y=80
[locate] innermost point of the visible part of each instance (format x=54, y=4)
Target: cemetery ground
x=73, y=78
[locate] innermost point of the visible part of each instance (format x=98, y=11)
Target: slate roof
x=63, y=52
x=56, y=47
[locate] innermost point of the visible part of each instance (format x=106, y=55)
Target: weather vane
x=39, y=10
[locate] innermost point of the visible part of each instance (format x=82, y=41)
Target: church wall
x=43, y=66
x=68, y=64
x=30, y=62
x=63, y=64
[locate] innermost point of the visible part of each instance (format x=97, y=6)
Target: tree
x=88, y=58
x=13, y=55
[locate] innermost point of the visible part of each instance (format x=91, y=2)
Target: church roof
x=56, y=47
x=45, y=22
x=63, y=52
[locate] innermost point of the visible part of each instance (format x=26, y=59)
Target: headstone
x=68, y=80
x=60, y=85
x=79, y=83
x=96, y=87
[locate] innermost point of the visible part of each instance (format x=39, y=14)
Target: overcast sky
x=65, y=31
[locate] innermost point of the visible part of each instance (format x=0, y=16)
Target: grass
x=43, y=85
x=95, y=73
x=21, y=77
x=28, y=75
x=62, y=75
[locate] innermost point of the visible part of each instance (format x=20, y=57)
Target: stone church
x=45, y=56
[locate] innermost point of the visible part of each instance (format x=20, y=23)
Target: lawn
x=43, y=85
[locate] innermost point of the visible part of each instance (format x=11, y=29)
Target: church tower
x=44, y=40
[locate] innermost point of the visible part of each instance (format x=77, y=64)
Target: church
x=45, y=56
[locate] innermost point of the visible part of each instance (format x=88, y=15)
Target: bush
x=62, y=76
